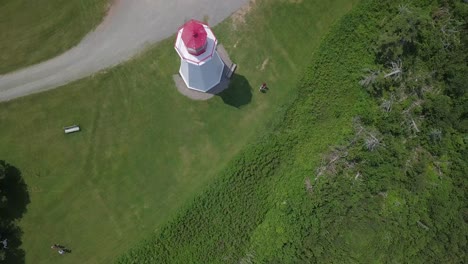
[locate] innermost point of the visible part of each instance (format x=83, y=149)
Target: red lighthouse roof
x=194, y=37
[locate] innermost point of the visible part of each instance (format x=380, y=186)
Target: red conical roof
x=194, y=37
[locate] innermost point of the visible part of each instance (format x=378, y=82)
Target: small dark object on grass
x=263, y=88
x=56, y=246
x=60, y=249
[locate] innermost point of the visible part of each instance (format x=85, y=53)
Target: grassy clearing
x=145, y=150
x=32, y=31
x=245, y=216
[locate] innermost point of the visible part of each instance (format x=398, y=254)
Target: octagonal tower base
x=221, y=86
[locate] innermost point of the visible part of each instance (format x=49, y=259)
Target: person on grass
x=263, y=87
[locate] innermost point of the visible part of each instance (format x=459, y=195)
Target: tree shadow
x=239, y=92
x=13, y=254
x=14, y=200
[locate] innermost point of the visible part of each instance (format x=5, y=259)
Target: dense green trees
x=409, y=189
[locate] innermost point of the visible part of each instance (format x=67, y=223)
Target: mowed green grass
x=145, y=149
x=33, y=31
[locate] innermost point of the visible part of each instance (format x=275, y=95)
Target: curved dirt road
x=129, y=25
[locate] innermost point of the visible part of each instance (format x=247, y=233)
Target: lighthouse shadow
x=239, y=92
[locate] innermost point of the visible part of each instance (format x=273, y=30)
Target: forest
x=368, y=164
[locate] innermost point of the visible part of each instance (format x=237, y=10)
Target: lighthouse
x=201, y=68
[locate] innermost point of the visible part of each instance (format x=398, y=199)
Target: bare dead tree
x=422, y=225
x=328, y=164
x=369, y=78
x=388, y=103
x=358, y=130
x=336, y=161
x=332, y=159
x=414, y=126
x=450, y=31
x=411, y=125
x=308, y=185
x=358, y=176
x=409, y=116
x=396, y=70
x=449, y=27
x=371, y=142
x=404, y=9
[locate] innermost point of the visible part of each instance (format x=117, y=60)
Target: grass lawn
x=145, y=149
x=33, y=31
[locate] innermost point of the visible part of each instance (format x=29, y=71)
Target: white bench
x=71, y=129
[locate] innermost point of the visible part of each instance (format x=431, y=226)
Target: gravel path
x=128, y=27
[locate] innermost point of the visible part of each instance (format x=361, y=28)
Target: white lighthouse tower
x=201, y=68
